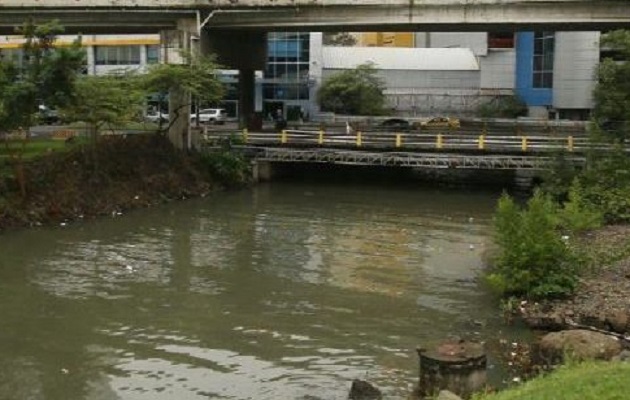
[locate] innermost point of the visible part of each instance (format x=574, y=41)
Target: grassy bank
x=119, y=174
x=584, y=381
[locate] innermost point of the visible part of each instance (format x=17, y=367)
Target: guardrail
x=412, y=141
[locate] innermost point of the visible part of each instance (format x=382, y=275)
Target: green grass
x=584, y=381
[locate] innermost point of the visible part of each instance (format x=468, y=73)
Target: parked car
x=441, y=122
x=47, y=115
x=209, y=116
x=156, y=117
x=398, y=124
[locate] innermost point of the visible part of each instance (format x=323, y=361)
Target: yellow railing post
x=359, y=139
x=283, y=137
x=570, y=143
x=398, y=140
x=245, y=135
x=524, y=143
x=482, y=142
x=320, y=140
x=438, y=141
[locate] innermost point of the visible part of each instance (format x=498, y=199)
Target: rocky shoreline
x=601, y=300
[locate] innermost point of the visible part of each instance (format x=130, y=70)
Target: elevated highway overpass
x=129, y=16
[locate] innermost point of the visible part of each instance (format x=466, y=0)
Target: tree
x=357, y=91
x=339, y=39
x=198, y=77
x=612, y=94
x=46, y=76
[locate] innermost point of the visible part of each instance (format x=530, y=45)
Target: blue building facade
x=534, y=68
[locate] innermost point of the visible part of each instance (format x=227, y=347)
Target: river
x=282, y=291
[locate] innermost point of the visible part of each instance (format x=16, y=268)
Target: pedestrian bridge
x=446, y=149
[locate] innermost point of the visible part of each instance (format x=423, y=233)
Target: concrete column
x=246, y=96
x=241, y=50
x=179, y=114
x=174, y=44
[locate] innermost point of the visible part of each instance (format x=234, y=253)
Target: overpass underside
x=131, y=16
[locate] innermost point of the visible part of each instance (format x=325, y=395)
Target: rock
x=581, y=344
x=362, y=390
x=447, y=395
x=618, y=321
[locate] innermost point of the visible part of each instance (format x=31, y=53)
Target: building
x=426, y=72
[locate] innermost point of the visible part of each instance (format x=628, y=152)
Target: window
x=543, y=60
x=501, y=40
x=153, y=54
x=117, y=55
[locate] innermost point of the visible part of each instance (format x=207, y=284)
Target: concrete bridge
x=128, y=16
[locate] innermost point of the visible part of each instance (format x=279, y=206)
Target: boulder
x=362, y=390
x=447, y=395
x=618, y=321
x=578, y=343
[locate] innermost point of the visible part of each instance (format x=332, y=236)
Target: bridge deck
x=440, y=150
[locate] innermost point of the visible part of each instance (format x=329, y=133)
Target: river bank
x=601, y=299
x=123, y=173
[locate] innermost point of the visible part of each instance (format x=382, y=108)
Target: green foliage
x=108, y=100
x=577, y=214
x=503, y=107
x=593, y=380
x=228, y=167
x=198, y=77
x=605, y=185
x=358, y=91
x=533, y=259
x=612, y=94
x=47, y=75
x=557, y=180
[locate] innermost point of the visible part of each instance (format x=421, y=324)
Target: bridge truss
x=400, y=159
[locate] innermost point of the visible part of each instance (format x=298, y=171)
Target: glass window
x=117, y=55
x=543, y=60
x=153, y=54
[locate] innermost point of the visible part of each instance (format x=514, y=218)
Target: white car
x=209, y=115
x=156, y=117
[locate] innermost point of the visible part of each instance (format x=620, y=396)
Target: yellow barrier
x=320, y=140
x=438, y=141
x=398, y=140
x=245, y=135
x=482, y=142
x=64, y=134
x=524, y=143
x=359, y=139
x=283, y=137
x=570, y=143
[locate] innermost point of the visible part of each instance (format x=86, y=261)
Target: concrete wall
x=575, y=63
x=424, y=79
x=476, y=41
x=497, y=69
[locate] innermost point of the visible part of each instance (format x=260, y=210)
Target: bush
x=228, y=167
x=533, y=259
x=503, y=107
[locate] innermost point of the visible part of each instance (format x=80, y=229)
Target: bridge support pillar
x=241, y=50
x=262, y=171
x=524, y=180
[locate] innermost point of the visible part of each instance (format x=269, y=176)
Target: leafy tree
x=339, y=39
x=357, y=91
x=612, y=94
x=105, y=101
x=46, y=76
x=198, y=77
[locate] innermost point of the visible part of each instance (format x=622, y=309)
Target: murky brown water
x=278, y=292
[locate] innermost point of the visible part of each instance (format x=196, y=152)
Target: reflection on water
x=281, y=292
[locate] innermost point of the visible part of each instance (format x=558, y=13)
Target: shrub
x=503, y=107
x=533, y=259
